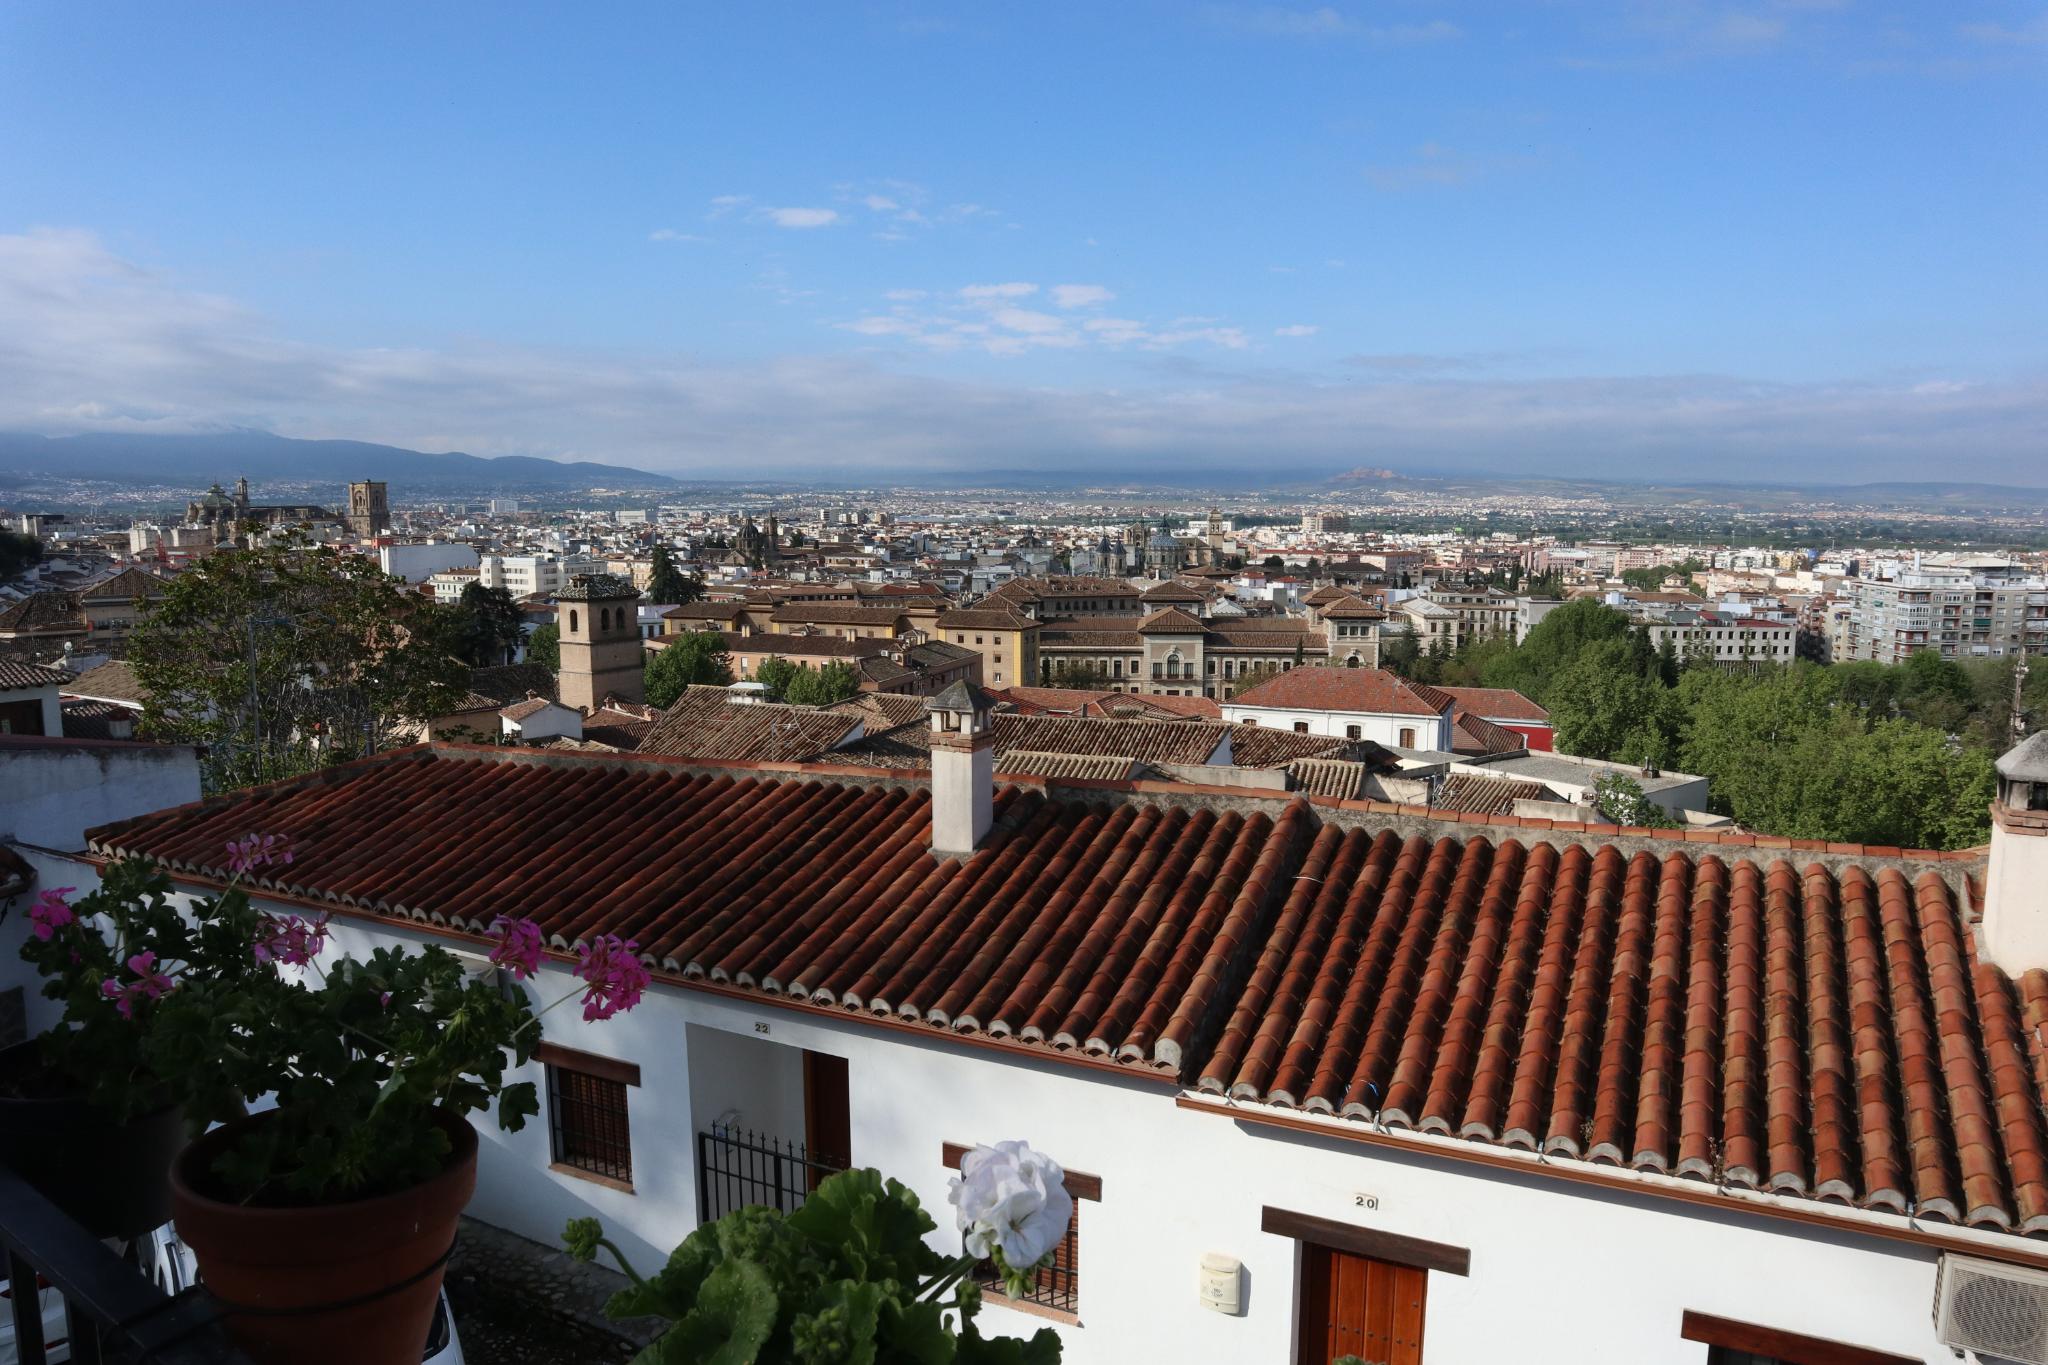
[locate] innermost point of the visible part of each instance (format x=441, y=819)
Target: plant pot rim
x=197, y=1160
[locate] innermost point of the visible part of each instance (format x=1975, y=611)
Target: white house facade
x=1350, y=703
x=1539, y=1095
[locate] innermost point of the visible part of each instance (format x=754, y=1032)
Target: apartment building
x=1962, y=607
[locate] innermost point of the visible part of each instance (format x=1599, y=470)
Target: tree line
x=1856, y=752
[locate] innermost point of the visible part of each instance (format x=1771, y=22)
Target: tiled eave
x=1877, y=1223
x=696, y=982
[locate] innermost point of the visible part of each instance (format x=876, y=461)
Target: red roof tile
x=1370, y=690
x=1498, y=704
x=1821, y=1033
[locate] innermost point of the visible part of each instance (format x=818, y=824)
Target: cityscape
x=1357, y=684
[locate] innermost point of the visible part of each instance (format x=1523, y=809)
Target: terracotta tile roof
x=1271, y=636
x=1809, y=1033
x=1105, y=634
x=706, y=723
x=1820, y=1033
x=1148, y=741
x=520, y=710
x=47, y=612
x=1173, y=592
x=1487, y=795
x=1193, y=708
x=1094, y=767
x=1498, y=704
x=129, y=585
x=1263, y=746
x=884, y=710
x=1171, y=621
x=620, y=726
x=1471, y=735
x=503, y=684
x=20, y=677
x=835, y=614
x=113, y=680
x=1344, y=778
x=1349, y=608
x=986, y=619
x=706, y=611
x=1369, y=690
x=802, y=646
x=1062, y=701
x=98, y=720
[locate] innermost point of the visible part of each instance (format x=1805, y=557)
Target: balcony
x=97, y=1307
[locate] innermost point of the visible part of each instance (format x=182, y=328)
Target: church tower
x=598, y=617
x=369, y=509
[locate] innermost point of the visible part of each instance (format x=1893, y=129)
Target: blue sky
x=1769, y=239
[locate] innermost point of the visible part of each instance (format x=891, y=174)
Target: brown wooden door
x=828, y=1117
x=1351, y=1305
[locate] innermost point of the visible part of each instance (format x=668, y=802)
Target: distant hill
x=265, y=457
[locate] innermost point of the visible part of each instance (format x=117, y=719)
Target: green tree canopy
x=286, y=656
x=822, y=686
x=544, y=647
x=668, y=584
x=694, y=658
x=18, y=553
x=776, y=675
x=1553, y=645
x=484, y=625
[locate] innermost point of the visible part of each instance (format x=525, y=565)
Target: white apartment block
x=521, y=575
x=1733, y=641
x=1964, y=610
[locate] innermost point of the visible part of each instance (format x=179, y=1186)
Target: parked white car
x=170, y=1265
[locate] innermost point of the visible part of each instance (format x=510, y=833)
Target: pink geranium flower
x=150, y=984
x=291, y=939
x=614, y=977
x=519, y=946
x=51, y=912
x=247, y=854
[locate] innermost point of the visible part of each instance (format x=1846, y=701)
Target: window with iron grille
x=1056, y=1286
x=587, y=1118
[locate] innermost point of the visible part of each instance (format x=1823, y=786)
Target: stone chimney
x=963, y=769
x=2016, y=883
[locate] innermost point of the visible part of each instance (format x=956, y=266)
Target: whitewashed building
x=1324, y=1078
x=1350, y=703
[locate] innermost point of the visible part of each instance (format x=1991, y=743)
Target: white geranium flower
x=1010, y=1197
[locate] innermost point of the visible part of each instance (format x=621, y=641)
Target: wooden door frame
x=1308, y=1232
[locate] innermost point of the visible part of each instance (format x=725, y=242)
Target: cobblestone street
x=520, y=1303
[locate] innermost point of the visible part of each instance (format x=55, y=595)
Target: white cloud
x=1013, y=290
x=881, y=203
x=1080, y=295
x=722, y=204
x=674, y=235
x=1297, y=329
x=92, y=341
x=904, y=295
x=802, y=218
x=2032, y=33
x=1025, y=320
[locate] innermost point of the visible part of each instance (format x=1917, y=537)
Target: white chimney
x=963, y=769
x=2016, y=882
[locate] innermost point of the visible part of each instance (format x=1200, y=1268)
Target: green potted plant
x=322, y=1225
x=86, y=1113
x=849, y=1279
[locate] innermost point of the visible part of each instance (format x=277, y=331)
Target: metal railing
x=110, y=1312
x=737, y=1168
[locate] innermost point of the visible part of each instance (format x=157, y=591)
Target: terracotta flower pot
x=331, y=1284
x=112, y=1178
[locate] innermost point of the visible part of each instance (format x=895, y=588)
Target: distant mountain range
x=265, y=457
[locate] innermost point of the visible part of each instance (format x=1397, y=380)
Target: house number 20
x=1365, y=1201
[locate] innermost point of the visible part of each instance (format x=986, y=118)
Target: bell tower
x=2016, y=880
x=598, y=618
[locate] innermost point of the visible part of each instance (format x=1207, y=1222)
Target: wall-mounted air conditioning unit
x=1992, y=1309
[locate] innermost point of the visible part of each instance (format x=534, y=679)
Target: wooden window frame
x=592, y=1067
x=1732, y=1335
x=1371, y=1243
x=1079, y=1185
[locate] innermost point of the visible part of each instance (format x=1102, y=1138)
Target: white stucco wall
x=1561, y=1274
x=52, y=791
x=1431, y=732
